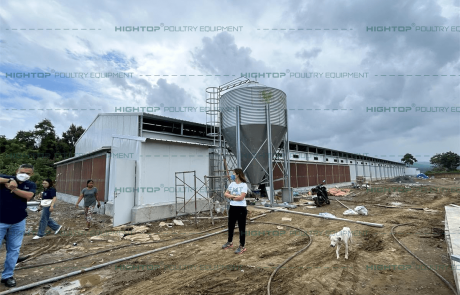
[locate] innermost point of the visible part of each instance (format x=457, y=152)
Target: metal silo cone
x=252, y=100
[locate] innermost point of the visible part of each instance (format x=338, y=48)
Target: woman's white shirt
x=237, y=189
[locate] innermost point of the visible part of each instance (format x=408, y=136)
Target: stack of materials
x=338, y=192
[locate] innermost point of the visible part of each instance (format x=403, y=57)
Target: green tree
x=72, y=135
x=3, y=143
x=46, y=138
x=26, y=138
x=40, y=148
x=408, y=159
x=446, y=161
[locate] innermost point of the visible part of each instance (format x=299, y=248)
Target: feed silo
x=249, y=106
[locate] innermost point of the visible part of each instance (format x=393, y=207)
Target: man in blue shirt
x=15, y=191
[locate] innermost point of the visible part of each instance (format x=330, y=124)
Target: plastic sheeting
x=421, y=175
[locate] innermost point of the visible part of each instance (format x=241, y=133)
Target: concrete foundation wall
x=106, y=209
x=144, y=213
x=152, y=212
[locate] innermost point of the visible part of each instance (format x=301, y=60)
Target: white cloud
x=251, y=50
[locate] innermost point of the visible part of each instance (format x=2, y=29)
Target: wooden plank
x=452, y=233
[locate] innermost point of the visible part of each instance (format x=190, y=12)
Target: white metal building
x=133, y=159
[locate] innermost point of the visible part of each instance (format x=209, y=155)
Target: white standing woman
x=238, y=211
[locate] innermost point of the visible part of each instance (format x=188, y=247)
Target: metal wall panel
x=329, y=178
x=100, y=132
x=341, y=173
x=302, y=177
x=122, y=147
x=63, y=179
x=347, y=174
x=352, y=169
x=336, y=173
x=57, y=184
x=277, y=173
x=158, y=173
x=293, y=175
x=77, y=183
x=312, y=174
x=86, y=171
x=321, y=173
x=70, y=179
x=98, y=175
x=367, y=171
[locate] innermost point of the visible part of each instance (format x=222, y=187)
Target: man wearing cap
x=15, y=191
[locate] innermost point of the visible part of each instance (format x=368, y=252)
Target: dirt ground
x=377, y=263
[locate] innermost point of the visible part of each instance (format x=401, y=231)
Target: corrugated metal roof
x=148, y=115
x=153, y=116
x=83, y=156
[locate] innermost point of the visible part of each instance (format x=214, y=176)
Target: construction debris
x=315, y=215
x=139, y=229
x=361, y=210
x=350, y=212
x=178, y=222
x=123, y=227
x=118, y=236
x=138, y=237
x=327, y=215
x=403, y=179
x=338, y=192
x=166, y=224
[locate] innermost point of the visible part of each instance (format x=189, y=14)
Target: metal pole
x=270, y=164
x=370, y=170
x=175, y=185
x=238, y=139
x=183, y=181
x=286, y=166
x=324, y=217
x=287, y=153
x=194, y=188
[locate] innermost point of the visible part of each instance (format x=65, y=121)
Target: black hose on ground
x=287, y=260
x=107, y=250
x=443, y=279
x=153, y=251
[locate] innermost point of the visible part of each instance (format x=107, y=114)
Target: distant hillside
x=423, y=166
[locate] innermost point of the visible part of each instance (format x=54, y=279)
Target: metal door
x=125, y=185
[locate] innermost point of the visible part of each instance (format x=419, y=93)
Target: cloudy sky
x=413, y=65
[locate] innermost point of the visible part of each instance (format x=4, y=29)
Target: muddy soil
x=377, y=263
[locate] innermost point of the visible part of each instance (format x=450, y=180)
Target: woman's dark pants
x=237, y=213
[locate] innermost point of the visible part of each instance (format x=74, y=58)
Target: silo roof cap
x=253, y=84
